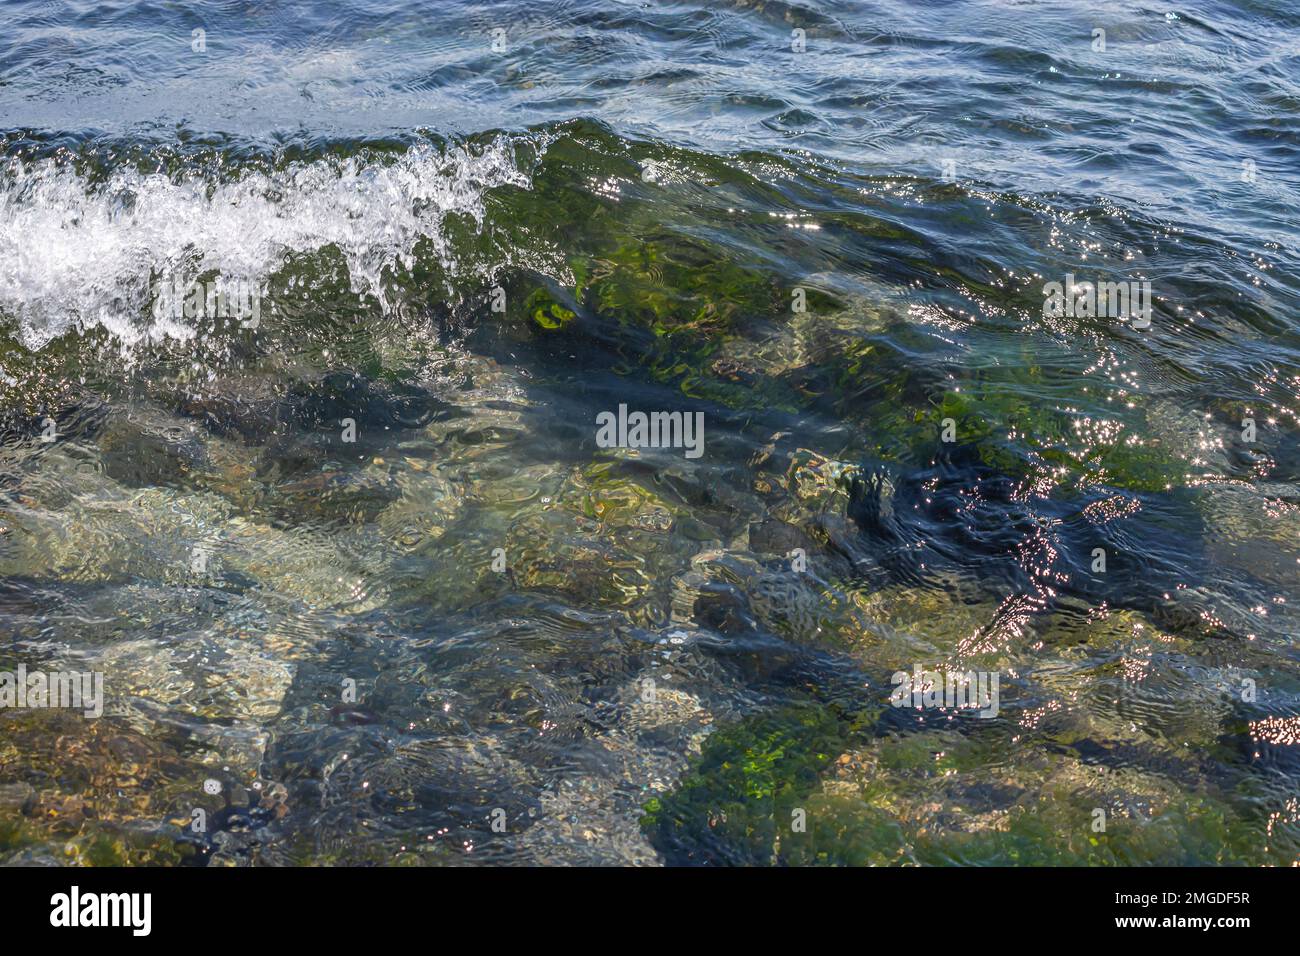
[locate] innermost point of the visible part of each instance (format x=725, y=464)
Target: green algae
x=782, y=789
x=740, y=796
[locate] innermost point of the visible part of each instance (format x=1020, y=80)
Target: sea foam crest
x=73, y=253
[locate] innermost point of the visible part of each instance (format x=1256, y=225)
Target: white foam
x=76, y=254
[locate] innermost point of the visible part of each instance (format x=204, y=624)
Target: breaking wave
x=79, y=250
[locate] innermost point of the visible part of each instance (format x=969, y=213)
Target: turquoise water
x=347, y=545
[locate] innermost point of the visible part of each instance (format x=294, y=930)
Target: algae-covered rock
x=739, y=799
x=949, y=798
x=546, y=313
x=95, y=791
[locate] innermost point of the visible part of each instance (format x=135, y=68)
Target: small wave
x=79, y=252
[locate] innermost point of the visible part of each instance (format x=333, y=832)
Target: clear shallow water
x=647, y=186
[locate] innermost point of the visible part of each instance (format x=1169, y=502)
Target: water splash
x=79, y=253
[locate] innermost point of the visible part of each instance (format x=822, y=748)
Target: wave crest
x=79, y=252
